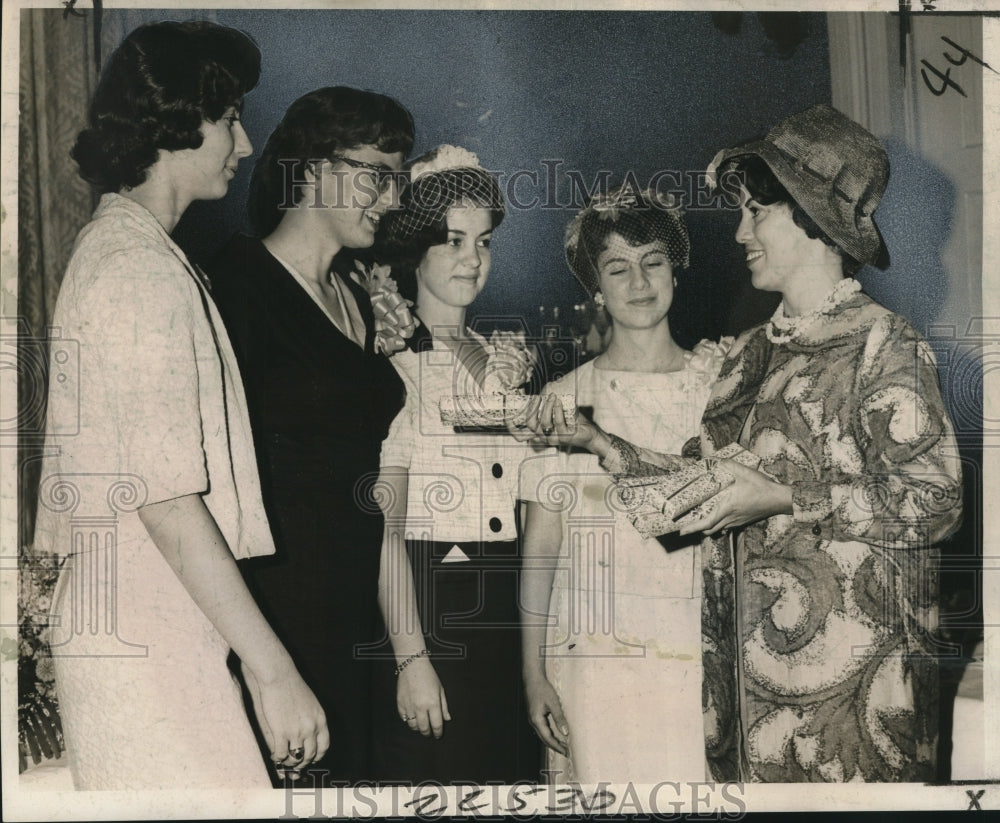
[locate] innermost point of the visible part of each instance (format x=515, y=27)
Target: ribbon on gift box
x=510, y=364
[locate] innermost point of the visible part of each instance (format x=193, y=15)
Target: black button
x=497, y=470
x=816, y=530
x=495, y=524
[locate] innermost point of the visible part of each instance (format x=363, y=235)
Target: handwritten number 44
x=945, y=78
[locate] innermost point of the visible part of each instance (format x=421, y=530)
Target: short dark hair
x=402, y=247
x=764, y=187
x=156, y=90
x=317, y=125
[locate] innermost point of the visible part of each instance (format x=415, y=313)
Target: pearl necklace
x=783, y=329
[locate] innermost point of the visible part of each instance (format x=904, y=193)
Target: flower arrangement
x=442, y=158
x=39, y=729
x=707, y=356
x=393, y=320
x=608, y=205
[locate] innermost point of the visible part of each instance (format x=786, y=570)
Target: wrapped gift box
x=654, y=502
x=492, y=411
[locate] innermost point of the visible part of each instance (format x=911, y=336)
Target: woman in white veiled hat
x=612, y=641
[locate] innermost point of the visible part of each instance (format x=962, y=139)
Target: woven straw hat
x=835, y=169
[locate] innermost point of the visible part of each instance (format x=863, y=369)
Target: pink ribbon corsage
x=393, y=320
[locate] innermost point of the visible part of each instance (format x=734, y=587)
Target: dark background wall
x=564, y=94
x=582, y=91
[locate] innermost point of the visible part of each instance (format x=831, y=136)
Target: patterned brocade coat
x=819, y=651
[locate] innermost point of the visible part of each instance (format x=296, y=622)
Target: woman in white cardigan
x=150, y=486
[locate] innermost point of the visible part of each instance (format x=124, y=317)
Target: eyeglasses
x=382, y=176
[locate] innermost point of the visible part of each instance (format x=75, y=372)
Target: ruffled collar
x=842, y=316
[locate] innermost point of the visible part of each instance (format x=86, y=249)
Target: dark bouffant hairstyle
x=317, y=125
x=157, y=89
x=767, y=190
x=422, y=221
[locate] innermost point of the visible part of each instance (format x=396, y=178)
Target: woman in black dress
x=320, y=396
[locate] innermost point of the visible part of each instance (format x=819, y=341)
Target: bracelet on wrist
x=410, y=659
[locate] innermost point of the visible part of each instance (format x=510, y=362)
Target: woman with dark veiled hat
x=820, y=589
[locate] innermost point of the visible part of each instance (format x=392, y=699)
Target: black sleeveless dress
x=320, y=408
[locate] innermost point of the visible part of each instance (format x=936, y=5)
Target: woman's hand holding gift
x=753, y=496
x=544, y=422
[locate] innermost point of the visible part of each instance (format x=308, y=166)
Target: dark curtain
x=57, y=75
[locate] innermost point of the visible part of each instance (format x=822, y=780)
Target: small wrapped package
x=653, y=502
x=492, y=411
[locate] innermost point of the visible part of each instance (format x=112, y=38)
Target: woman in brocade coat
x=820, y=597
